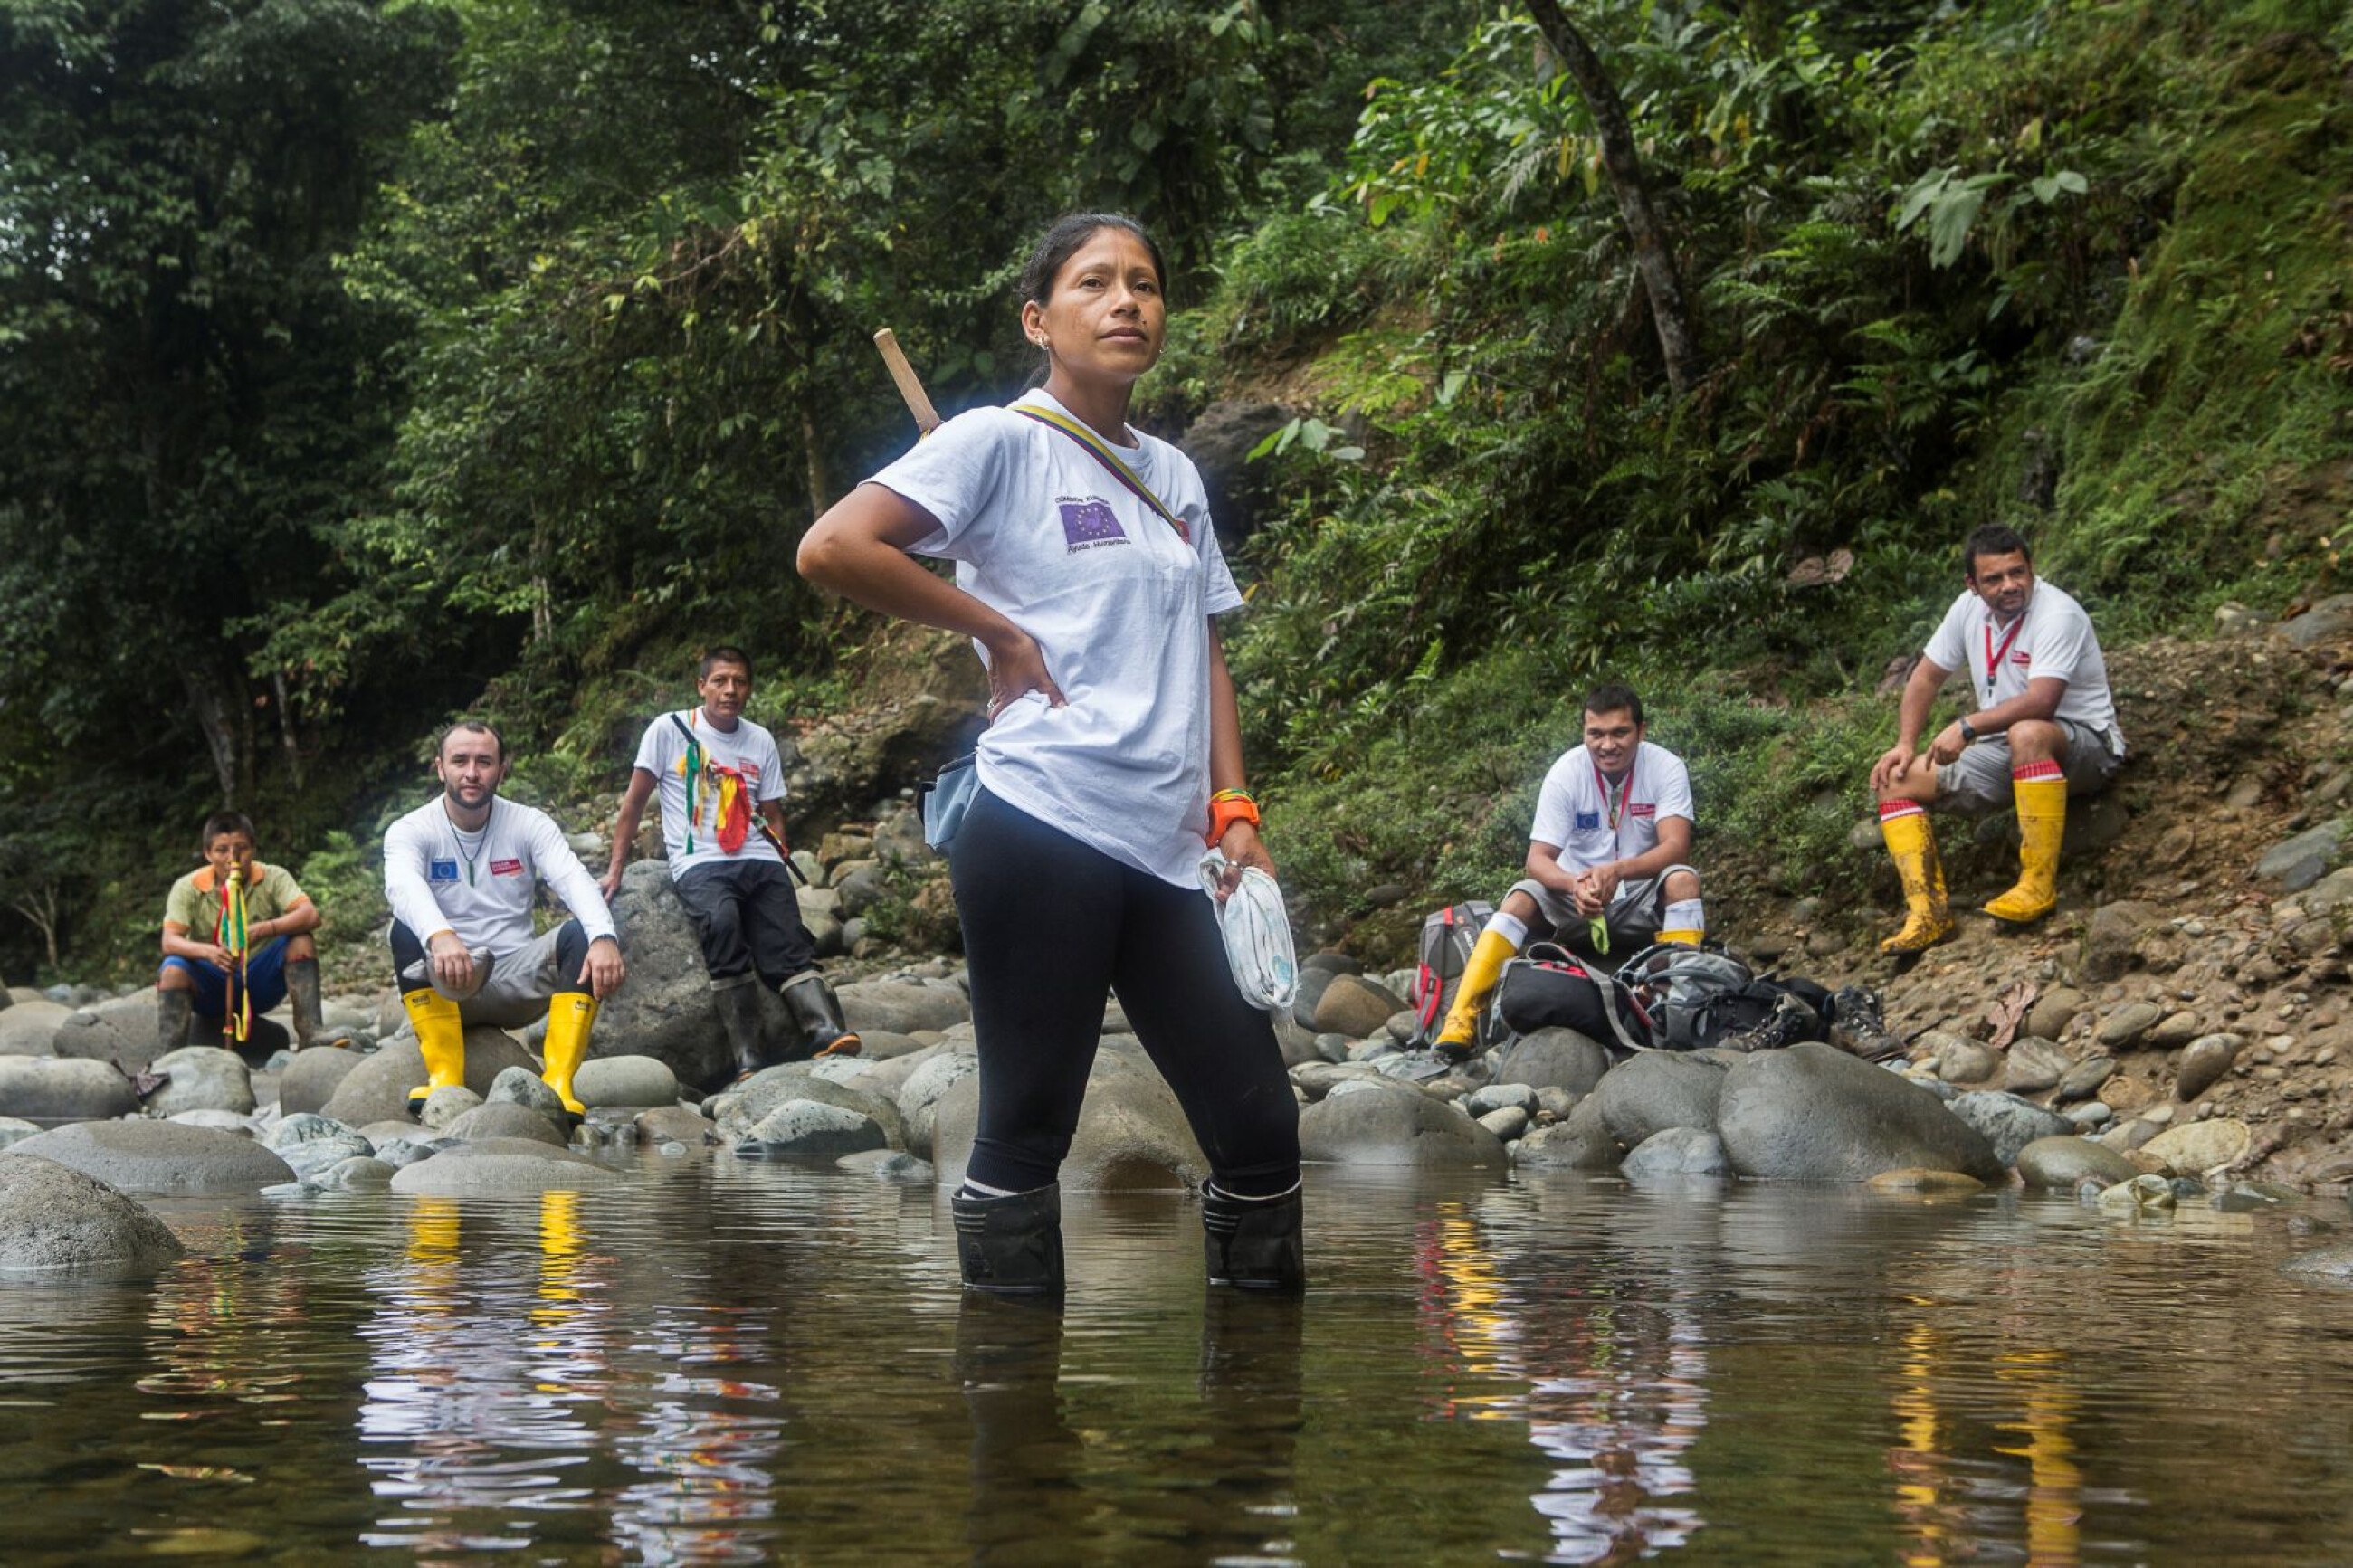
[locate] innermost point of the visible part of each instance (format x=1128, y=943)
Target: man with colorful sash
x=1609, y=857
x=2040, y=725
x=462, y=872
x=236, y=943
x=722, y=791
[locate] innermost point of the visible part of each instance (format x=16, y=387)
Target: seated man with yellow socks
x=2042, y=726
x=460, y=872
x=1608, y=859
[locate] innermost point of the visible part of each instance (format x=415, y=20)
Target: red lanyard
x=1617, y=807
x=1995, y=655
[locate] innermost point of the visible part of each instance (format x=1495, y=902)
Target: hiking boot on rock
x=1860, y=1028
x=1790, y=1022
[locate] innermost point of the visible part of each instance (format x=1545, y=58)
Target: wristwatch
x=1967, y=734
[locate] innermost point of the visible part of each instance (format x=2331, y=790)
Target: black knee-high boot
x=1254, y=1243
x=1012, y=1244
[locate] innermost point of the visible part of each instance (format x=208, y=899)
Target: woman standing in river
x=1087, y=575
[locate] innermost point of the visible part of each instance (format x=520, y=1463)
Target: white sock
x=1216, y=1191
x=1684, y=914
x=973, y=1189
x=1511, y=928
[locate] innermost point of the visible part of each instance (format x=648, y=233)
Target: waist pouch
x=941, y=803
x=1545, y=988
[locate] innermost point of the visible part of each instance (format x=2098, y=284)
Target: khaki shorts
x=1632, y=917
x=520, y=985
x=1979, y=779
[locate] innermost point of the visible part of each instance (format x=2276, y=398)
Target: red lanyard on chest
x=1617, y=807
x=1995, y=655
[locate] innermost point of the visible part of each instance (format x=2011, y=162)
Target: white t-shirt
x=1574, y=813
x=2054, y=640
x=1039, y=531
x=748, y=748
x=480, y=885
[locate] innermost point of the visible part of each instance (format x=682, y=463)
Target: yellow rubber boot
x=2041, y=793
x=1459, y=1035
x=1911, y=843
x=440, y=1038
x=569, y=1016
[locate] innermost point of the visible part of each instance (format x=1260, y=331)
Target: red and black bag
x=1548, y=988
x=1447, y=939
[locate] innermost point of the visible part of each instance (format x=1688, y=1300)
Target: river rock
x=91, y=1037
x=1579, y=1143
x=2090, y=1116
x=377, y=1088
x=2200, y=1146
x=30, y=1028
x=903, y=1007
x=202, y=1077
x=743, y=1107
x=52, y=1090
x=1132, y=1132
x=1656, y=1090
x=666, y=1010
x=2084, y=1079
x=1424, y=1067
x=1355, y=1006
x=445, y=1104
x=1676, y=1151
x=15, y=1130
x=2202, y=1064
x=2296, y=863
x=806, y=1128
x=222, y=1121
x=55, y=1216
x=2008, y=1122
x=1919, y=1183
x=400, y=1151
x=2144, y=1193
x=676, y=1124
x=504, y=1166
x=505, y=1119
x=311, y=1144
x=2112, y=938
x=360, y=1174
x=2329, y=1263
x=1507, y=1123
x=2034, y=1066
x=1555, y=1059
x=2065, y=1162
x=921, y=1092
x=2127, y=1024
x=1312, y=981
x=520, y=1086
x=2171, y=1032
x=1396, y=1126
x=1497, y=1096
x=1814, y=1113
x=311, y=1079
x=626, y=1080
x=2054, y=1010
x=1962, y=1061
x=140, y=1156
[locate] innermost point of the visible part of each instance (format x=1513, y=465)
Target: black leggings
x=1050, y=924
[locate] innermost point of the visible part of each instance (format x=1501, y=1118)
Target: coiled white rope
x=1258, y=934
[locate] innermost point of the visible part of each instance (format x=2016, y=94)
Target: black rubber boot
x=173, y=1011
x=1012, y=1245
x=302, y=999
x=738, y=1001
x=817, y=1019
x=1254, y=1243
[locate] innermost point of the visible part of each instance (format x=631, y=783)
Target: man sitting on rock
x=460, y=872
x=2041, y=727
x=1607, y=865
x=236, y=943
x=722, y=791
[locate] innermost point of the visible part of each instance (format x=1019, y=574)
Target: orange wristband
x=1226, y=810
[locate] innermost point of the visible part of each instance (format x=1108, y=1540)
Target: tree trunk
x=286, y=728
x=820, y=483
x=204, y=704
x=1653, y=256
x=41, y=910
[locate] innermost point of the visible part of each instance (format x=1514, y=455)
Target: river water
x=735, y=1363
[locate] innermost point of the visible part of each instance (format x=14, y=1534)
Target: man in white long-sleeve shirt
x=460, y=873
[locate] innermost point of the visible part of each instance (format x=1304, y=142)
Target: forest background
x=364, y=363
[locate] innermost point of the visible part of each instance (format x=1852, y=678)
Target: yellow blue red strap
x=1101, y=453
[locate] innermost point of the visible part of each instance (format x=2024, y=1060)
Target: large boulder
x=159, y=1156
x=665, y=1011
x=1396, y=1124
x=28, y=1028
x=501, y=1167
x=202, y=1077
x=53, y=1090
x=1554, y=1058
x=1579, y=1143
x=55, y=1216
x=378, y=1090
x=1355, y=1006
x=919, y=1095
x=903, y=1006
x=91, y=1037
x=311, y=1079
x=2009, y=1123
x=1814, y=1113
x=810, y=1128
x=1657, y=1090
x=1132, y=1132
